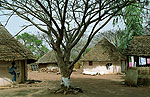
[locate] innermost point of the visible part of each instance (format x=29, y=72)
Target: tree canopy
x=34, y=43
x=133, y=19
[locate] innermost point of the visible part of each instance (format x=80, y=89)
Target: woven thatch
x=139, y=46
x=103, y=51
x=11, y=49
x=49, y=57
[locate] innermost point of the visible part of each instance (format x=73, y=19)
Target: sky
x=15, y=25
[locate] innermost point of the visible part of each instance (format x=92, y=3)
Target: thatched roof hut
x=139, y=46
x=138, y=53
x=49, y=57
x=11, y=49
x=103, y=51
x=103, y=58
x=48, y=60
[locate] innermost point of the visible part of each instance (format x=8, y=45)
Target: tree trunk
x=63, y=63
x=65, y=82
x=65, y=76
x=66, y=71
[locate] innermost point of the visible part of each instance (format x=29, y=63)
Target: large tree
x=65, y=22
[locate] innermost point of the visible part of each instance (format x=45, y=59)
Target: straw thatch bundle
x=103, y=51
x=11, y=49
x=139, y=46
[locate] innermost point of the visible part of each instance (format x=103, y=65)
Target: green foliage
x=133, y=19
x=33, y=43
x=132, y=16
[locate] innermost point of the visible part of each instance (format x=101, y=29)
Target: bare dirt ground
x=92, y=86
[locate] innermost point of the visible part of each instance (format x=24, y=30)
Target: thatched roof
x=103, y=51
x=49, y=57
x=139, y=46
x=11, y=49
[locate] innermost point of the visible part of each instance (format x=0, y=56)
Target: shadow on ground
x=91, y=88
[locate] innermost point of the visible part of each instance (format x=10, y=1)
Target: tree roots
x=65, y=90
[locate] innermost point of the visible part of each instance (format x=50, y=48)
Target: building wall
x=21, y=71
x=138, y=76
x=100, y=67
x=47, y=65
x=4, y=69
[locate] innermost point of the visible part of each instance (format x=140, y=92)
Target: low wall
x=143, y=75
x=131, y=77
x=138, y=76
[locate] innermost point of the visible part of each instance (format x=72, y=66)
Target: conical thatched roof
x=139, y=46
x=11, y=49
x=49, y=57
x=103, y=51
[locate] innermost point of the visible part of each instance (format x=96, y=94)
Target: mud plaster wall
x=95, y=64
x=4, y=69
x=20, y=71
x=101, y=67
x=47, y=65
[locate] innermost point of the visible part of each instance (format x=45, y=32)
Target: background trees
x=34, y=43
x=133, y=17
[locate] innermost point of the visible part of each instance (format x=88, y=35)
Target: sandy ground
x=92, y=86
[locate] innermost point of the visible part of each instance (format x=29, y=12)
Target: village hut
x=47, y=60
x=138, y=54
x=13, y=51
x=103, y=58
x=139, y=50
